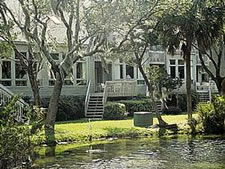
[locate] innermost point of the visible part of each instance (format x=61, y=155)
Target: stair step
x=94, y=104
x=95, y=111
x=94, y=118
x=95, y=107
x=96, y=97
x=97, y=94
x=94, y=115
x=100, y=114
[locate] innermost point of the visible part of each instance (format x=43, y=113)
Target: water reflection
x=185, y=153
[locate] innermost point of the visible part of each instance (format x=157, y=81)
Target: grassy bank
x=81, y=130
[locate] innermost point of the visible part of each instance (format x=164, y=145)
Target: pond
x=148, y=153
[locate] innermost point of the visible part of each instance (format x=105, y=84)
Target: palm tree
x=178, y=31
x=210, y=37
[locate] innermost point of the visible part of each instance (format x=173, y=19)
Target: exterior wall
x=75, y=85
x=46, y=91
x=152, y=57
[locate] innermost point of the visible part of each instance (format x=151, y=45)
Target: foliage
x=182, y=100
x=172, y=110
x=136, y=106
x=160, y=80
x=210, y=38
x=5, y=50
x=15, y=138
x=70, y=107
x=114, y=111
x=211, y=116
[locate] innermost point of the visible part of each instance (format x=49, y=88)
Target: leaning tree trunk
x=162, y=123
x=188, y=80
x=52, y=111
x=34, y=86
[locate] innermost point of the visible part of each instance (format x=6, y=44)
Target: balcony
x=121, y=88
x=156, y=57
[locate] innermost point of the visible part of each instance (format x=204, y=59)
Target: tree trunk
x=162, y=123
x=222, y=91
x=52, y=111
x=188, y=80
x=34, y=86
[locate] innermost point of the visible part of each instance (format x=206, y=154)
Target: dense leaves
x=15, y=138
x=211, y=116
x=114, y=111
x=136, y=106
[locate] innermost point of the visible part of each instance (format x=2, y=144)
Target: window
x=51, y=78
x=172, y=62
x=6, y=70
x=20, y=73
x=173, y=68
x=81, y=73
x=173, y=71
x=121, y=71
x=55, y=56
x=68, y=81
x=129, y=72
x=177, y=68
x=181, y=72
x=6, y=73
x=181, y=69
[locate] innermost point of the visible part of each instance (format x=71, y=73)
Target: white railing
x=87, y=97
x=209, y=87
x=121, y=88
x=5, y=96
x=157, y=57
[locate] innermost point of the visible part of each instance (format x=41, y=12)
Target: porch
x=94, y=102
x=121, y=88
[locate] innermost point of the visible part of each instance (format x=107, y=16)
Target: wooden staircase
x=95, y=106
x=5, y=97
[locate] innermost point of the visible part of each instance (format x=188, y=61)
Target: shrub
x=182, y=101
x=70, y=107
x=15, y=138
x=114, y=111
x=211, y=116
x=136, y=105
x=172, y=110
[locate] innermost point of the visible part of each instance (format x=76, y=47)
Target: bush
x=211, y=116
x=182, y=101
x=172, y=110
x=15, y=138
x=114, y=111
x=70, y=107
x=136, y=105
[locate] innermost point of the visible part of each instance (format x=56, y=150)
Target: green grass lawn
x=80, y=130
